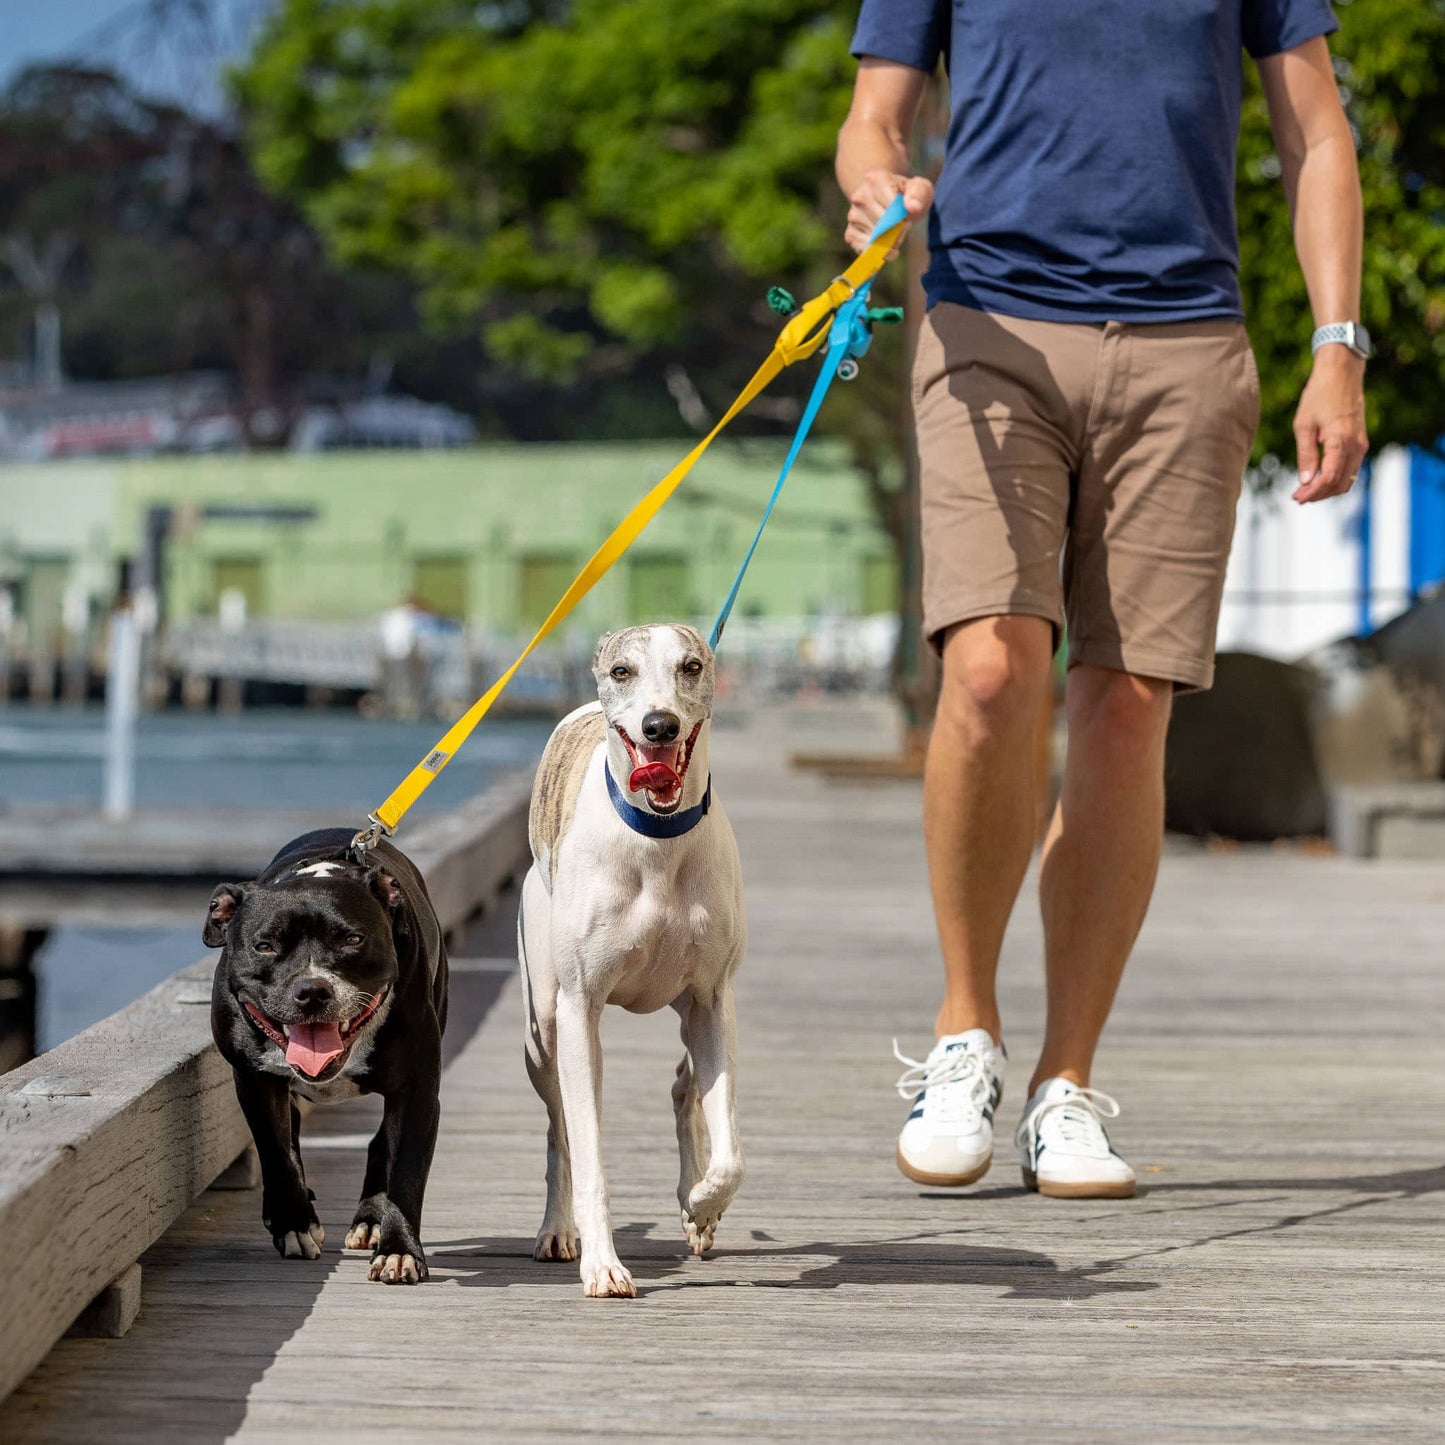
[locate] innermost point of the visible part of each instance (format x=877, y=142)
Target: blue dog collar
x=655, y=825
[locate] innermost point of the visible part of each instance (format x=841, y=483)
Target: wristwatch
x=1345, y=333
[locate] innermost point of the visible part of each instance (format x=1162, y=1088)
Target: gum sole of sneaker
x=1052, y=1190
x=941, y=1181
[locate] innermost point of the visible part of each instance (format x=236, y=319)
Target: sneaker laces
x=1075, y=1123
x=931, y=1076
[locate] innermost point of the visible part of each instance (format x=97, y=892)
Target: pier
x=1276, y=1052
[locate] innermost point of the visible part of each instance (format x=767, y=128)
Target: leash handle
x=848, y=339
x=895, y=215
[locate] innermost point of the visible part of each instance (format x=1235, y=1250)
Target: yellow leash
x=805, y=332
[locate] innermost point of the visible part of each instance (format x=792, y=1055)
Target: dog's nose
x=313, y=993
x=661, y=727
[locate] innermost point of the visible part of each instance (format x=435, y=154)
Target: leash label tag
x=435, y=760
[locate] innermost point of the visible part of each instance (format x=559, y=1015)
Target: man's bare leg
x=980, y=802
x=1100, y=857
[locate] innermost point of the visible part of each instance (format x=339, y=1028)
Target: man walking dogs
x=1086, y=398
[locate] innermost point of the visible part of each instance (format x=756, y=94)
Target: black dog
x=333, y=982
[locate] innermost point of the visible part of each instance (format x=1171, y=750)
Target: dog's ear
x=597, y=651
x=386, y=889
x=693, y=638
x=224, y=903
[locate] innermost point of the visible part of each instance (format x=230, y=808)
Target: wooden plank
x=89, y=1181
x=1275, y=1050
x=193, y=843
x=106, y=1139
x=113, y=1311
x=470, y=854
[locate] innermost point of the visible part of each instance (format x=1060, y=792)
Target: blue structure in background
x=1427, y=517
x=1426, y=563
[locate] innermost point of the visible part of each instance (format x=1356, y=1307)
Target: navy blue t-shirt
x=1089, y=174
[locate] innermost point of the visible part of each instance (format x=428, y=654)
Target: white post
x=122, y=692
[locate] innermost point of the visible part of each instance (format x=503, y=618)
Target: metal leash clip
x=368, y=838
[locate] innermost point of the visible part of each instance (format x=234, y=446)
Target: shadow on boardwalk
x=822, y=1265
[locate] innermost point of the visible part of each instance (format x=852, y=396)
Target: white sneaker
x=948, y=1138
x=1066, y=1153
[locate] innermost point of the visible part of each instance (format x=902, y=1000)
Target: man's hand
x=1331, y=417
x=875, y=194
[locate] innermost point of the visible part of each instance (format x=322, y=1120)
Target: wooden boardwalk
x=1281, y=1276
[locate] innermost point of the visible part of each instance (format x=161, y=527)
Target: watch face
x=1362, y=341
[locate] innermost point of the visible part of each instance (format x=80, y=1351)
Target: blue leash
x=848, y=339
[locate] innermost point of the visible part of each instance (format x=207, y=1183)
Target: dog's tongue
x=655, y=777
x=310, y=1047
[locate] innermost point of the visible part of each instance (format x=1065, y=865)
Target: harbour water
x=336, y=764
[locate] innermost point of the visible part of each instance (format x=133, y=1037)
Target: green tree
x=589, y=192
x=603, y=190
x=607, y=185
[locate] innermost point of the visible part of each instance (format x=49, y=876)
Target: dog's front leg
x=287, y=1210
x=579, y=1069
x=409, y=1124
x=692, y=1142
x=712, y=1033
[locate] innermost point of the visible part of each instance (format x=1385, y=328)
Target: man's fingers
x=875, y=194
x=917, y=196
x=1331, y=478
x=1345, y=448
x=884, y=187
x=1307, y=446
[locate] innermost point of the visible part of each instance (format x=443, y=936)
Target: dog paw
x=398, y=1258
x=363, y=1235
x=300, y=1243
x=555, y=1242
x=397, y=1269
x=607, y=1280
x=705, y=1205
x=700, y=1233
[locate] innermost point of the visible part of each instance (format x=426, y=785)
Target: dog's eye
x=261, y=945
x=354, y=940
x=692, y=666
x=622, y=672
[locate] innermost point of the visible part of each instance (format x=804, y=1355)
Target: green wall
x=493, y=533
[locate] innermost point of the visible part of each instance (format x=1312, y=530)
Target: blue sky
x=47, y=29
x=43, y=30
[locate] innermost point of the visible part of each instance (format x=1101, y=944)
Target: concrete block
x=1388, y=820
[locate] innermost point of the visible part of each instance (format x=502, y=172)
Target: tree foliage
x=604, y=184
x=588, y=189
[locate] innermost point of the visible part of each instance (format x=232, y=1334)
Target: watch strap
x=1341, y=332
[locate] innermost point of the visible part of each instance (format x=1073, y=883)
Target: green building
x=490, y=536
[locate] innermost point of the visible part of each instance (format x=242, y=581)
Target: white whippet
x=635, y=898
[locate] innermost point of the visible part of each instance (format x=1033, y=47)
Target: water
x=337, y=764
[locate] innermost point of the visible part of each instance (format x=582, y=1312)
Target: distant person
x=1085, y=393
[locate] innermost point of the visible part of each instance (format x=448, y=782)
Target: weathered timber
x=113, y=1311
x=469, y=855
x=106, y=1139
x=1279, y=1278
x=88, y=1181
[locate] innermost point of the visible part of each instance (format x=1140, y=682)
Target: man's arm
x=1322, y=185
x=872, y=161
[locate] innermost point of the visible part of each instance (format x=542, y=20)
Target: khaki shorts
x=1118, y=450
